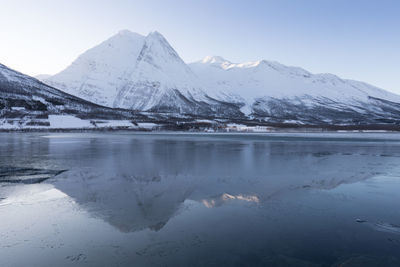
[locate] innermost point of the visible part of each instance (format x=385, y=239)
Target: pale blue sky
x=357, y=39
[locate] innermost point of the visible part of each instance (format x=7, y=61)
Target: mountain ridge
x=145, y=73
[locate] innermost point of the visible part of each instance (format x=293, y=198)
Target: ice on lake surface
x=130, y=199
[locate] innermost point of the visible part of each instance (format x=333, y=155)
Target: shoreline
x=160, y=128
x=331, y=136
x=275, y=131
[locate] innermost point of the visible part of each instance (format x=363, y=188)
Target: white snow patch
x=115, y=123
x=68, y=122
x=206, y=121
x=17, y=108
x=147, y=125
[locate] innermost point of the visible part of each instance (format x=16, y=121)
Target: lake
x=180, y=199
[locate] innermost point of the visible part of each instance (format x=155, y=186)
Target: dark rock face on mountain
x=326, y=112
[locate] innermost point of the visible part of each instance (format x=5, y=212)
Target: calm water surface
x=128, y=199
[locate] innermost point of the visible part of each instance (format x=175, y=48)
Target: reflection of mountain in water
x=141, y=182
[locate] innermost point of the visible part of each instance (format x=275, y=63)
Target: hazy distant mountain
x=145, y=73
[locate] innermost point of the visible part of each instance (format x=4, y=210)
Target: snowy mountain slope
x=280, y=93
x=145, y=73
x=42, y=77
x=252, y=80
x=25, y=102
x=140, y=73
x=99, y=72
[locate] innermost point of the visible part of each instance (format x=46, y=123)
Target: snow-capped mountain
x=140, y=73
x=281, y=93
x=25, y=102
x=145, y=73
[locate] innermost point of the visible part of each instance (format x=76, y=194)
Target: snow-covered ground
x=71, y=122
x=68, y=121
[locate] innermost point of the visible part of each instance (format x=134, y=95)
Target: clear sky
x=357, y=39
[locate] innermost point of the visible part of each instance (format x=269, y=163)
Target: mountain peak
x=156, y=34
x=124, y=32
x=158, y=51
x=125, y=67
x=156, y=37
x=214, y=60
